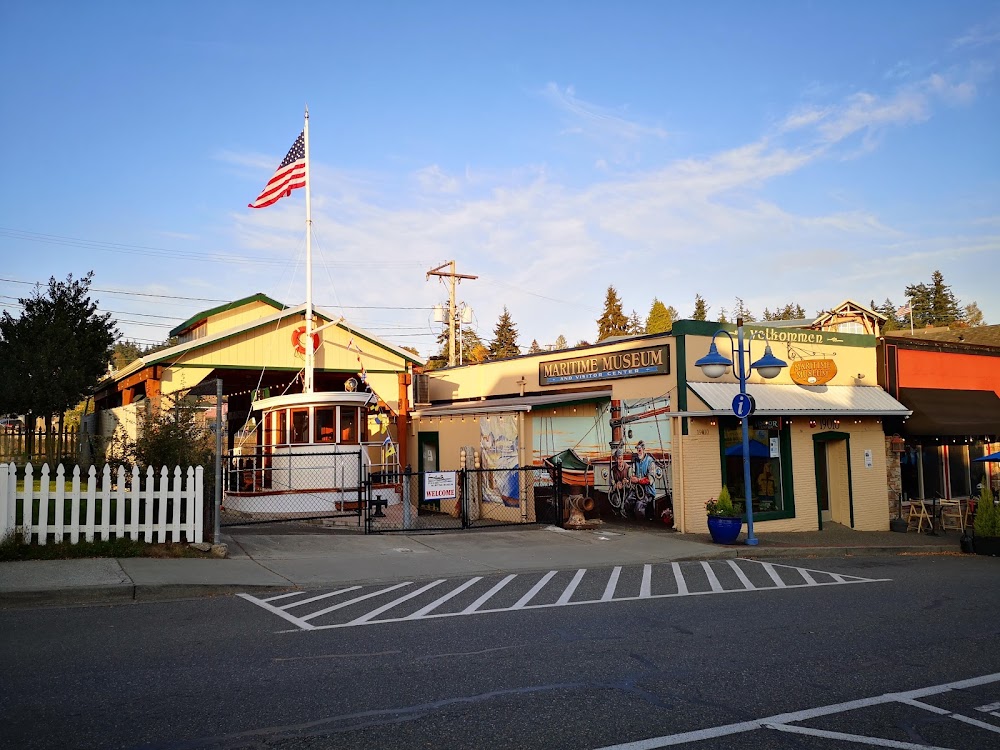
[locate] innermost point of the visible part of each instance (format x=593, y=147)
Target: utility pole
x=455, y=277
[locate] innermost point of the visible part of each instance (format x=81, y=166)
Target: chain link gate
x=482, y=498
x=282, y=486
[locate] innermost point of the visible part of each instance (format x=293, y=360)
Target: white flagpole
x=307, y=387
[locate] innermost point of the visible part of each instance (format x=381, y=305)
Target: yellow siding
x=223, y=321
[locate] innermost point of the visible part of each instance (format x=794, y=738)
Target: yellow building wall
x=271, y=347
x=503, y=378
x=700, y=476
x=851, y=361
x=223, y=321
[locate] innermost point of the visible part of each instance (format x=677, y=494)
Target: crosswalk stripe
x=805, y=574
x=646, y=587
x=534, y=590
x=609, y=592
x=356, y=599
x=437, y=603
x=747, y=583
x=321, y=596
x=385, y=607
x=568, y=593
x=282, y=596
x=774, y=575
x=713, y=580
x=485, y=597
x=679, y=578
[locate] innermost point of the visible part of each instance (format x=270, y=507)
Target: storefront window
x=765, y=465
x=300, y=426
x=326, y=425
x=275, y=432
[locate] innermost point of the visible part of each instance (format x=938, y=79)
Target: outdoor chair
x=918, y=516
x=970, y=512
x=951, y=515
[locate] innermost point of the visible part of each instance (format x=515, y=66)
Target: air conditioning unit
x=421, y=389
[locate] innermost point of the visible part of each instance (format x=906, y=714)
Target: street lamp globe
x=768, y=366
x=713, y=364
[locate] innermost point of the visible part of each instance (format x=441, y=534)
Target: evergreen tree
x=791, y=311
x=534, y=348
x=504, y=338
x=740, y=310
x=55, y=352
x=673, y=315
x=934, y=304
x=722, y=316
x=700, y=308
x=888, y=309
x=561, y=342
x=466, y=343
x=635, y=326
x=124, y=353
x=613, y=322
x=583, y=342
x=658, y=320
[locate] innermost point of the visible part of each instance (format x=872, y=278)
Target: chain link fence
x=466, y=499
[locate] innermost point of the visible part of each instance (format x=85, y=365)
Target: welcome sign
x=654, y=360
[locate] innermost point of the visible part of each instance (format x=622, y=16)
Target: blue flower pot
x=724, y=530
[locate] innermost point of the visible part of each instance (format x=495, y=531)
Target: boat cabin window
x=300, y=426
x=275, y=428
x=326, y=424
x=349, y=425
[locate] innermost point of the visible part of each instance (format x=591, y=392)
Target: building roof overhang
x=790, y=400
x=510, y=404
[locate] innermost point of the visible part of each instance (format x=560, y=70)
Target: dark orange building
x=950, y=379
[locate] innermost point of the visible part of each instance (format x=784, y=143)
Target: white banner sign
x=440, y=485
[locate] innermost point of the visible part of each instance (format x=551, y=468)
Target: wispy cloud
x=590, y=118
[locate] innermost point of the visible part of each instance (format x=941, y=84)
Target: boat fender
x=297, y=336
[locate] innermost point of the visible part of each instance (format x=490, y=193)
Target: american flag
x=291, y=174
x=903, y=311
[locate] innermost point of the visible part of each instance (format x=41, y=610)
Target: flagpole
x=307, y=387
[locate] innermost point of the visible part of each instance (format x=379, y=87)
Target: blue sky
x=779, y=152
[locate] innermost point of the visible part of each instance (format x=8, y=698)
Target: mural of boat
x=576, y=470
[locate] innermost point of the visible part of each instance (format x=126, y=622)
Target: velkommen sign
x=653, y=360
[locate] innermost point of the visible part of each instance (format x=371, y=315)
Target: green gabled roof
x=197, y=317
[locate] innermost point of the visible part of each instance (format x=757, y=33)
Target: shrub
x=987, y=521
x=722, y=506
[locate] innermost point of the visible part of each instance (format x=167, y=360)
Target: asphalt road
x=650, y=663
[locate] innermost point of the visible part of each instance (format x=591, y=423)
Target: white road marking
x=480, y=605
x=355, y=600
x=437, y=603
x=485, y=597
x=747, y=584
x=534, y=590
x=386, y=607
x=609, y=591
x=782, y=720
x=568, y=593
x=713, y=580
x=953, y=715
x=646, y=587
x=679, y=578
x=774, y=575
x=858, y=738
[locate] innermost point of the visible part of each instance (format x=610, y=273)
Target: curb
x=76, y=595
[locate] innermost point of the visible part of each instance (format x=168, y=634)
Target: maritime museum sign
x=653, y=360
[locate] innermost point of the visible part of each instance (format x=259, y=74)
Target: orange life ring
x=297, y=336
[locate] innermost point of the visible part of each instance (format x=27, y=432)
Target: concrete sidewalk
x=281, y=561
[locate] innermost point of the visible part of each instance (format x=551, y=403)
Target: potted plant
x=987, y=524
x=725, y=520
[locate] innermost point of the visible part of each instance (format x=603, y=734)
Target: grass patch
x=13, y=548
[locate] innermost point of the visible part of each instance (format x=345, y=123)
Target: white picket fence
x=96, y=507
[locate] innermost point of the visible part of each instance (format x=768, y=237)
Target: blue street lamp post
x=715, y=365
